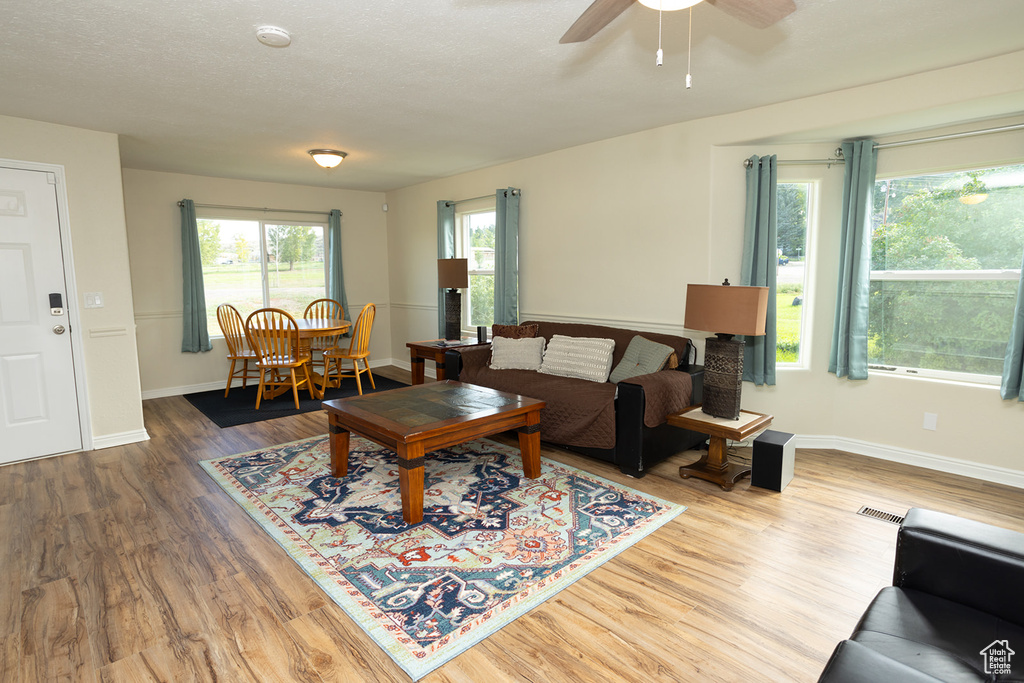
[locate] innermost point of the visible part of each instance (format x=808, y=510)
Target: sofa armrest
x=469, y=358
x=968, y=562
x=665, y=392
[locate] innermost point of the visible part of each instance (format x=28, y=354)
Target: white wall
x=613, y=231
x=154, y=237
x=92, y=168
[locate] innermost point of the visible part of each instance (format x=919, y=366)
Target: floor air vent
x=879, y=514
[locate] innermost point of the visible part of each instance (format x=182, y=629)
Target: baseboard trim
x=939, y=463
x=406, y=365
x=120, y=439
x=219, y=384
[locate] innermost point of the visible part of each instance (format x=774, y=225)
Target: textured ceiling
x=420, y=89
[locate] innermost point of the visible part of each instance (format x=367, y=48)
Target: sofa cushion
x=852, y=662
x=642, y=357
x=578, y=412
x=517, y=354
x=586, y=358
x=514, y=331
x=939, y=637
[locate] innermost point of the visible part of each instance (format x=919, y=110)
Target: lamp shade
x=726, y=309
x=453, y=273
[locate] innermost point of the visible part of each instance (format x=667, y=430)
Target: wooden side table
x=714, y=466
x=433, y=349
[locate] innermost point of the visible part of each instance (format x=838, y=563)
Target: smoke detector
x=272, y=36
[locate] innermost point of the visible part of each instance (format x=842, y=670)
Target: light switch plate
x=94, y=300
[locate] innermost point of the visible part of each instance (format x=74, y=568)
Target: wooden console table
x=433, y=349
x=714, y=466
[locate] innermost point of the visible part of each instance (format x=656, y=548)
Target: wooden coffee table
x=416, y=420
x=714, y=465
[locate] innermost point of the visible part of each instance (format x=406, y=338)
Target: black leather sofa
x=955, y=611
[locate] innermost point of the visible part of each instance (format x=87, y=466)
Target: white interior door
x=39, y=411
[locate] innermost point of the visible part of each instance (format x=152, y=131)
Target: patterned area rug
x=492, y=544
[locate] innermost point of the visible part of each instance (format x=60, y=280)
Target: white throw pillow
x=516, y=354
x=583, y=357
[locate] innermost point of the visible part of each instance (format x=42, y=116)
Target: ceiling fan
x=756, y=13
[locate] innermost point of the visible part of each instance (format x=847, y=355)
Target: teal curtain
x=506, y=257
x=195, y=337
x=1013, y=365
x=335, y=272
x=849, y=355
x=760, y=263
x=445, y=249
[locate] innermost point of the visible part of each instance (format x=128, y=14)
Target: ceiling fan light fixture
x=327, y=158
x=668, y=5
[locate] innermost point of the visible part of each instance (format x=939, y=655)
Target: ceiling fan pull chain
x=689, y=44
x=660, y=55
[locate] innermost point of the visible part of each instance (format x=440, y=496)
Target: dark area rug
x=239, y=407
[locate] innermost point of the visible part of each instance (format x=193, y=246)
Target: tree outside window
x=477, y=246
x=793, y=206
x=945, y=260
x=255, y=264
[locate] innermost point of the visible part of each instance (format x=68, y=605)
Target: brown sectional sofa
x=620, y=423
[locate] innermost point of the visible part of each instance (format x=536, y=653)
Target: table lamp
x=725, y=310
x=452, y=275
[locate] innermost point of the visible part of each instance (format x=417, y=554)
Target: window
x=256, y=264
x=476, y=244
x=793, y=208
x=945, y=260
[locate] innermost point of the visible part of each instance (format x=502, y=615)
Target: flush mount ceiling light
x=272, y=36
x=327, y=158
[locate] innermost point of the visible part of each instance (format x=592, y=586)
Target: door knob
x=58, y=329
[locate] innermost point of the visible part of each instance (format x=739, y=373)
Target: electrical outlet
x=931, y=421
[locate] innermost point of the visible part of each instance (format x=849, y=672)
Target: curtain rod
x=257, y=208
x=486, y=196
x=837, y=159
x=951, y=136
x=916, y=141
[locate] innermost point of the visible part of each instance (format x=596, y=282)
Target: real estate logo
x=997, y=656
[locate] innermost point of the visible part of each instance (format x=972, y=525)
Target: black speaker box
x=774, y=456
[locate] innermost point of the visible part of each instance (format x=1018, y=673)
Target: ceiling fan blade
x=756, y=13
x=596, y=17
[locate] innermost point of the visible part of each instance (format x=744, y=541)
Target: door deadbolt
x=58, y=329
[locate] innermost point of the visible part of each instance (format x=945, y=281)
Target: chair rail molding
x=414, y=307
x=627, y=323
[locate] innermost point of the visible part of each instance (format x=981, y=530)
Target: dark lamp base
x=452, y=314
x=723, y=377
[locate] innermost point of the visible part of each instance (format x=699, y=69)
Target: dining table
x=309, y=329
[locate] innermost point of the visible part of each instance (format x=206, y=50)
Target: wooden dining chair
x=323, y=309
x=358, y=349
x=274, y=336
x=233, y=327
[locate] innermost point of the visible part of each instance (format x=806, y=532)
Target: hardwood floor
x=130, y=564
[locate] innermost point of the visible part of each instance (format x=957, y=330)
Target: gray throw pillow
x=517, y=354
x=642, y=357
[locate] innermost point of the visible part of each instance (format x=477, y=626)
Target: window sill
x=952, y=378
